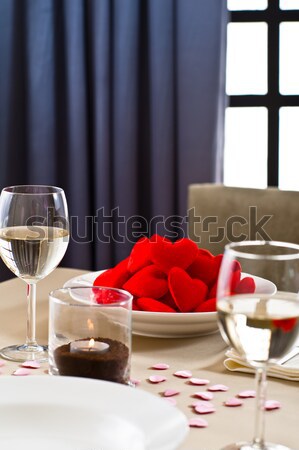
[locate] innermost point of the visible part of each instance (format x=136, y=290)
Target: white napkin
x=287, y=371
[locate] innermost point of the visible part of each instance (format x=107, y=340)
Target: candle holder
x=90, y=333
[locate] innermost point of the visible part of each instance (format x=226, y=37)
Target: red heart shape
x=167, y=255
x=205, y=268
x=150, y=304
x=207, y=306
x=140, y=255
x=168, y=300
x=186, y=292
x=245, y=286
x=147, y=282
x=115, y=277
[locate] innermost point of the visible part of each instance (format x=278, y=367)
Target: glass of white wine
x=258, y=313
x=34, y=235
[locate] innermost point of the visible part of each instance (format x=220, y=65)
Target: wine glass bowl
x=34, y=235
x=260, y=325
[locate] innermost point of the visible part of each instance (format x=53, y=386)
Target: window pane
x=289, y=58
x=246, y=70
x=288, y=148
x=289, y=4
x=245, y=153
x=241, y=5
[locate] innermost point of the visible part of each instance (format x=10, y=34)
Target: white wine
x=32, y=252
x=261, y=328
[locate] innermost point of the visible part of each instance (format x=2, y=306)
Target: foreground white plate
x=66, y=413
x=171, y=325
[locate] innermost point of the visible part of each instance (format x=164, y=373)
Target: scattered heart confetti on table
x=272, y=404
x=199, y=402
x=170, y=393
x=160, y=366
x=199, y=381
x=204, y=395
x=156, y=379
x=198, y=423
x=135, y=381
x=183, y=374
x=21, y=372
x=247, y=394
x=218, y=387
x=31, y=364
x=204, y=409
x=233, y=402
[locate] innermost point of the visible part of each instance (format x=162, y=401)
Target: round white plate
x=171, y=325
x=66, y=413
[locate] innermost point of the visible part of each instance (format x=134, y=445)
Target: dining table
x=202, y=355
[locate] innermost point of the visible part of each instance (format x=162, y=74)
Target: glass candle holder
x=90, y=333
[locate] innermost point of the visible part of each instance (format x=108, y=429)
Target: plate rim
x=92, y=390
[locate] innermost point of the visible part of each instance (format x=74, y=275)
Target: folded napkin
x=287, y=371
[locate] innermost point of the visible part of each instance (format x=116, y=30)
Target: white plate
x=66, y=413
x=171, y=325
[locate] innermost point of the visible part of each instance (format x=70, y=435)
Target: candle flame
x=91, y=343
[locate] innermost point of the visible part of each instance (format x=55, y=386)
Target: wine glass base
x=22, y=353
x=251, y=446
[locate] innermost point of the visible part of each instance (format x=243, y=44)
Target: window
x=262, y=82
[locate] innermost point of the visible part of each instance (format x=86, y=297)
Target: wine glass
x=34, y=235
x=258, y=313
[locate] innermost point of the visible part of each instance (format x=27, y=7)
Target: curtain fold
x=119, y=102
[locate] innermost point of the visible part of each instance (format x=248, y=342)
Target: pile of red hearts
x=171, y=277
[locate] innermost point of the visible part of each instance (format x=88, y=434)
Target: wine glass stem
x=261, y=389
x=31, y=315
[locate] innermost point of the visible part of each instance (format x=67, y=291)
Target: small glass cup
x=90, y=333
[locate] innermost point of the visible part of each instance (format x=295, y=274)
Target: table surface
x=202, y=355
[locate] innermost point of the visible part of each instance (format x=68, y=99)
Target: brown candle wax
x=110, y=365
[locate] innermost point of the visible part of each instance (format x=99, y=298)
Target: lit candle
x=89, y=347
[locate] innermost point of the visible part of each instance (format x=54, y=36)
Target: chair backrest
x=220, y=214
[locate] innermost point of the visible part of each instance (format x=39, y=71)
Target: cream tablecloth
x=203, y=356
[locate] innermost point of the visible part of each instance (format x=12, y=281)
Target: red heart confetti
x=207, y=306
x=156, y=379
x=147, y=282
x=233, y=402
x=172, y=277
x=150, y=304
x=183, y=373
x=245, y=286
x=115, y=277
x=186, y=292
x=140, y=255
x=198, y=423
x=205, y=268
x=180, y=254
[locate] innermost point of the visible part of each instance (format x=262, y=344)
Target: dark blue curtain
x=119, y=102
